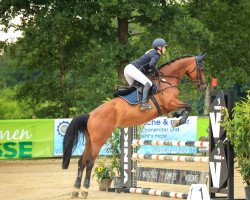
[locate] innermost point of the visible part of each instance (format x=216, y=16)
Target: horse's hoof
x=175, y=124
x=84, y=194
x=74, y=195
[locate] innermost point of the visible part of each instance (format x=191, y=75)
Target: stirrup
x=145, y=106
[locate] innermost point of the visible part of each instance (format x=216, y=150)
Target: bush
x=238, y=133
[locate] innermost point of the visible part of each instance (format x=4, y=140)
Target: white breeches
x=131, y=73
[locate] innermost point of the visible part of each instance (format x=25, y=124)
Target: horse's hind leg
x=99, y=135
x=81, y=166
x=85, y=163
x=89, y=166
x=77, y=184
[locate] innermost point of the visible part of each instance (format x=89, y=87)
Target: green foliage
x=115, y=141
x=72, y=53
x=10, y=108
x=238, y=133
x=9, y=75
x=115, y=148
x=190, y=94
x=228, y=52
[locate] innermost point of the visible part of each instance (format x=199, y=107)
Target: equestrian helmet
x=159, y=42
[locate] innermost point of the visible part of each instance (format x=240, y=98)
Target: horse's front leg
x=183, y=111
x=185, y=115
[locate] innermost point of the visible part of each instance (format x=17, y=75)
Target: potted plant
x=104, y=174
x=238, y=133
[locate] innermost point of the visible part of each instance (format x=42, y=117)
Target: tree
x=72, y=53
x=56, y=35
x=229, y=50
x=10, y=108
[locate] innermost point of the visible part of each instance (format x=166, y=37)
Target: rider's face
x=163, y=49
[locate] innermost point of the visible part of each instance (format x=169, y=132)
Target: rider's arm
x=153, y=61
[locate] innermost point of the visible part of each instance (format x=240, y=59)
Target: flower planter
x=117, y=182
x=104, y=184
x=247, y=192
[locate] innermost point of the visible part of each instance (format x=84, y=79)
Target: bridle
x=160, y=77
x=199, y=68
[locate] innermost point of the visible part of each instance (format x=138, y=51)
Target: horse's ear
x=203, y=56
x=200, y=57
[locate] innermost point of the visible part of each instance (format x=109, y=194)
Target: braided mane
x=173, y=60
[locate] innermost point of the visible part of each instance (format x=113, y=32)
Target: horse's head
x=190, y=65
x=196, y=73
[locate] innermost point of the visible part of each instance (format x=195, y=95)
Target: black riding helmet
x=159, y=42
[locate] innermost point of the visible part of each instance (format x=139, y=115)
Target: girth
x=156, y=105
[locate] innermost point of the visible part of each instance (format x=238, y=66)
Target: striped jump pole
x=219, y=183
x=199, y=144
x=178, y=195
x=136, y=156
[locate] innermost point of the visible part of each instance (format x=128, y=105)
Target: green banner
x=202, y=125
x=26, y=138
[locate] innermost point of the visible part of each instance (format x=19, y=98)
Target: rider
x=137, y=69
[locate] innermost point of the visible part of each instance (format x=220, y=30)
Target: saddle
x=133, y=94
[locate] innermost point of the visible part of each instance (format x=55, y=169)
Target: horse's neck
x=177, y=68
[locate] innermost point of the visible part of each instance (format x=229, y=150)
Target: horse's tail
x=77, y=125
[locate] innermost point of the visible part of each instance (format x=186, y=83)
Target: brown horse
x=98, y=125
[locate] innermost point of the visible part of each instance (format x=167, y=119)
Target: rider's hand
x=156, y=72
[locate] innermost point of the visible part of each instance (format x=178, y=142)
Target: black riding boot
x=144, y=104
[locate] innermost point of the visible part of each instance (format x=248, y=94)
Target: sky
x=11, y=35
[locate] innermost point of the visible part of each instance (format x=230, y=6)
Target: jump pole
x=221, y=160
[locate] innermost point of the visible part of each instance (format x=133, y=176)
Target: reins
x=165, y=81
x=161, y=78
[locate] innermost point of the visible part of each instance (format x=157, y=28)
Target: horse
x=98, y=125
